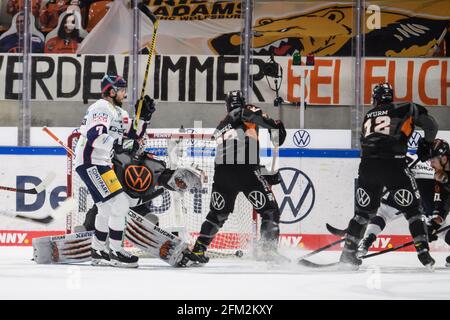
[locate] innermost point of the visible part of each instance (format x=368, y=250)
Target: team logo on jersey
x=299, y=195
x=362, y=197
x=301, y=138
x=217, y=201
x=100, y=117
x=138, y=178
x=257, y=199
x=413, y=141
x=403, y=197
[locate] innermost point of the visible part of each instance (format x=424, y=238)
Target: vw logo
x=362, y=197
x=257, y=199
x=217, y=201
x=413, y=141
x=299, y=195
x=403, y=197
x=301, y=138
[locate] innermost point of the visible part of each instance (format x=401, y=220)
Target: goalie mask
x=184, y=179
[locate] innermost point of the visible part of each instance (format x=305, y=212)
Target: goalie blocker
x=139, y=231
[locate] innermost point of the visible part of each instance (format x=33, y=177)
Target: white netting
x=174, y=210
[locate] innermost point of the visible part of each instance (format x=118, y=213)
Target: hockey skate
x=426, y=259
x=447, y=261
x=198, y=253
x=99, y=253
x=365, y=244
x=99, y=257
x=123, y=259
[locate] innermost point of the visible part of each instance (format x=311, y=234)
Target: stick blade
x=47, y=180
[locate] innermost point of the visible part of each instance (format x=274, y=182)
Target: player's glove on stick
x=433, y=224
x=424, y=150
x=148, y=107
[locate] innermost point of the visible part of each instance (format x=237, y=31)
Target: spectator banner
x=208, y=78
x=392, y=29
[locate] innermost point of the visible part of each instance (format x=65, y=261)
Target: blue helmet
x=383, y=93
x=112, y=82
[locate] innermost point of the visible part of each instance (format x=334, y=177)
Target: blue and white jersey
x=422, y=170
x=102, y=125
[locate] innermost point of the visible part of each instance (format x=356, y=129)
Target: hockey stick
x=341, y=232
x=38, y=189
x=55, y=137
x=320, y=250
x=12, y=214
x=63, y=209
x=400, y=246
x=152, y=17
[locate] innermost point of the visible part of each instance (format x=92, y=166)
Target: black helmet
x=234, y=99
x=440, y=148
x=383, y=93
x=112, y=82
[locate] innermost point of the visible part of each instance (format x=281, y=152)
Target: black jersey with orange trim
x=237, y=139
x=387, y=128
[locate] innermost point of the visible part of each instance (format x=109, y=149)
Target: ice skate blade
x=100, y=263
x=118, y=264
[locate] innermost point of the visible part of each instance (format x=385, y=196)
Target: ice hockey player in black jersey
x=384, y=142
x=237, y=169
x=440, y=162
x=390, y=210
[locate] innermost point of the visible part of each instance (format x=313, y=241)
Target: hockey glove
x=278, y=135
x=148, y=107
x=128, y=145
x=273, y=179
x=424, y=150
x=433, y=224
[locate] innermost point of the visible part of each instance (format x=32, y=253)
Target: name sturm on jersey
x=377, y=113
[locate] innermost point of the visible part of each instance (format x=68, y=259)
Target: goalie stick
x=38, y=189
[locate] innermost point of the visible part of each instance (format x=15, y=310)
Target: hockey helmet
x=383, y=93
x=440, y=148
x=234, y=100
x=112, y=82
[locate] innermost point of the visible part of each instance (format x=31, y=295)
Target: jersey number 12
x=377, y=125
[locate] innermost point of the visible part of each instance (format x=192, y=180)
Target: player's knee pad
x=379, y=221
x=217, y=218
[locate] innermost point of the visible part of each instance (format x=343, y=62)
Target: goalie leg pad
x=72, y=248
x=152, y=239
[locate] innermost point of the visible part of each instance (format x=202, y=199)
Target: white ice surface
x=389, y=276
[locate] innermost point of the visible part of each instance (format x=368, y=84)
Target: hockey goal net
x=186, y=211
